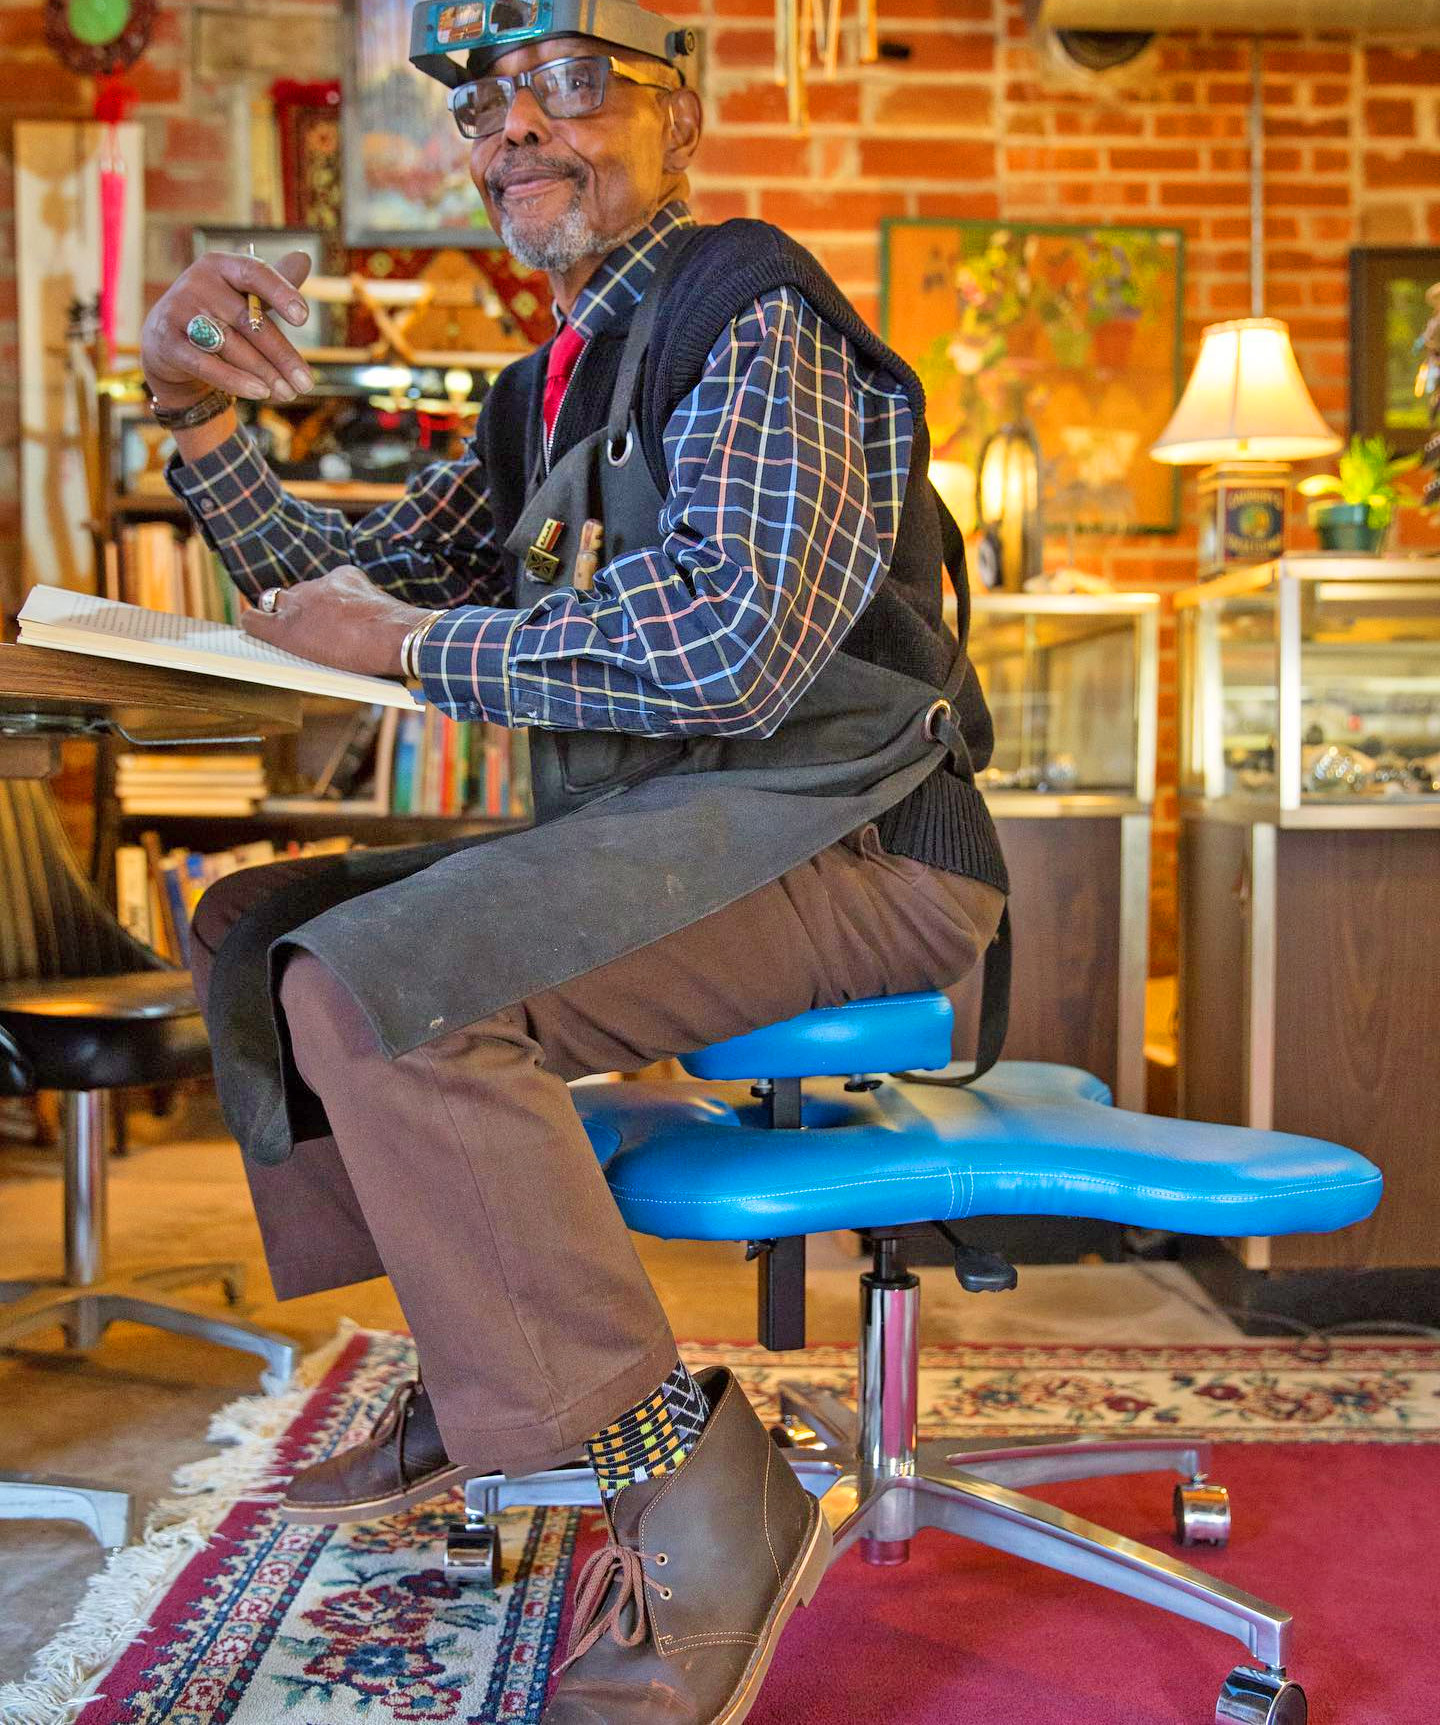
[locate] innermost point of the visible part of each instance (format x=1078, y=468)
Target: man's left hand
x=339, y=619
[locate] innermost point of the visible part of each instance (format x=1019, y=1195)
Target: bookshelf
x=372, y=776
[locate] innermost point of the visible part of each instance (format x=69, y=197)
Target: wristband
x=209, y=407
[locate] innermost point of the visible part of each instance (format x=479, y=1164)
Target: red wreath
x=99, y=59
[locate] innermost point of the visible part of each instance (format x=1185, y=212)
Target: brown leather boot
x=676, y=1620
x=402, y=1461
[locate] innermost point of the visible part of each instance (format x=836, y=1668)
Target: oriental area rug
x=224, y=1615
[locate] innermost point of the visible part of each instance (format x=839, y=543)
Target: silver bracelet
x=410, y=646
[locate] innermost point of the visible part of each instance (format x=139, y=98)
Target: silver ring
x=203, y=332
x=934, y=712
x=269, y=599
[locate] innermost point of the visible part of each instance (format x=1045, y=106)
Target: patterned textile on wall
x=1432, y=448
x=524, y=297
x=307, y=119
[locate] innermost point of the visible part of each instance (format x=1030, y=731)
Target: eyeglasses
x=565, y=90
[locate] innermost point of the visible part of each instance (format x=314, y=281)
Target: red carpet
x=1345, y=1537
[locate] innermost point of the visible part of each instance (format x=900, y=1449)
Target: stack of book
x=156, y=892
x=163, y=782
x=165, y=571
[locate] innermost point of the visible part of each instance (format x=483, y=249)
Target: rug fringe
x=65, y=1674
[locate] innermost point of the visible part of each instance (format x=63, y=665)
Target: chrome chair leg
x=89, y=1301
x=45, y=1497
x=1002, y=1519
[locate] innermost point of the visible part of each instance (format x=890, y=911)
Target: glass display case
x=1071, y=680
x=1310, y=692
x=1071, y=684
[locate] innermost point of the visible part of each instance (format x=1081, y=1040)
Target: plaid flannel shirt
x=787, y=465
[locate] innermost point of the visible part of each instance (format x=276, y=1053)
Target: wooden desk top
x=54, y=694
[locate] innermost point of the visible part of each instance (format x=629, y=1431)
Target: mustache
x=529, y=167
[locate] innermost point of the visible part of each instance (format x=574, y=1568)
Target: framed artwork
x=1074, y=330
x=1388, y=314
x=271, y=244
x=406, y=167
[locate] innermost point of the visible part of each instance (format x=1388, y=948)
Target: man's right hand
x=259, y=365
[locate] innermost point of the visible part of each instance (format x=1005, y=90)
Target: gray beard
x=570, y=237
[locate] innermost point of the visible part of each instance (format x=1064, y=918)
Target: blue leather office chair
x=743, y=1155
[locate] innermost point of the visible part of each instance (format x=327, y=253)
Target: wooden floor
x=138, y=1407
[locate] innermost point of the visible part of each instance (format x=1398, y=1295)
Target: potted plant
x=1366, y=493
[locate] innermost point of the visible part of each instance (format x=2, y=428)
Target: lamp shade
x=1245, y=400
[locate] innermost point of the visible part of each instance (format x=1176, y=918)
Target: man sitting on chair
x=753, y=742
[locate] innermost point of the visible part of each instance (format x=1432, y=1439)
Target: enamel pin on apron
x=540, y=559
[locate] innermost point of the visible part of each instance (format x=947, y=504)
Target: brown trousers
x=462, y=1171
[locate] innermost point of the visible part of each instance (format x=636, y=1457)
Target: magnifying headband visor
x=480, y=31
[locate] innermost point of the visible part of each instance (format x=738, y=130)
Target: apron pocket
x=596, y=760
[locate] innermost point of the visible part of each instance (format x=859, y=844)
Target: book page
x=83, y=622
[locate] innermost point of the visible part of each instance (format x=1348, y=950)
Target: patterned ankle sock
x=654, y=1437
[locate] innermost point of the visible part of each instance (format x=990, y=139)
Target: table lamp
x=1246, y=413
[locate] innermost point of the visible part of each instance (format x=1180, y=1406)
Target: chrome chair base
x=881, y=1486
x=44, y=1497
x=88, y=1301
x=86, y=1312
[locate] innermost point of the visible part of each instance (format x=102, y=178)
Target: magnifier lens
x=507, y=16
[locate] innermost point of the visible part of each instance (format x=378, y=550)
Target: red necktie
x=564, y=351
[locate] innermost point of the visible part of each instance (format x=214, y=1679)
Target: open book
x=83, y=623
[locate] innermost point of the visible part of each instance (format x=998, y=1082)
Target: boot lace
x=592, y=1623
x=395, y=1420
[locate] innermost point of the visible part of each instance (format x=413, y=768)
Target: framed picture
x=271, y=244
x=1388, y=315
x=1073, y=330
x=406, y=167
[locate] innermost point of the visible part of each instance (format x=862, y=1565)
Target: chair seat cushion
x=696, y=1161
x=897, y=1033
x=104, y=1032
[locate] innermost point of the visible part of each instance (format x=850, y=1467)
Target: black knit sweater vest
x=723, y=270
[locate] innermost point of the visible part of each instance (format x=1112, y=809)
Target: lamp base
x=1242, y=514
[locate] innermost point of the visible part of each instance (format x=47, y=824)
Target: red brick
x=850, y=260
x=797, y=211
x=1410, y=168
x=726, y=157
x=1331, y=161
x=1107, y=123
x=1202, y=125
x=1051, y=160
x=741, y=9
x=1276, y=95
x=166, y=193
x=977, y=206
x=719, y=206
x=867, y=306
x=1155, y=161
x=1329, y=293
x=943, y=11
x=1201, y=194
x=926, y=159
x=951, y=52
x=1388, y=225
x=1330, y=95
x=1390, y=117
x=764, y=104
x=733, y=47
x=1178, y=55
x=962, y=105
x=1402, y=65
x=1337, y=128
x=1307, y=62
x=1308, y=194
x=155, y=86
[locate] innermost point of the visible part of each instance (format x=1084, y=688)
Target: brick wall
x=973, y=122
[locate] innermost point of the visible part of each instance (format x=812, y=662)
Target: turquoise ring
x=203, y=332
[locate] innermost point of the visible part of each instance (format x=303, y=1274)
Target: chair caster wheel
x=472, y=1554
x=1202, y=1514
x=1252, y=1697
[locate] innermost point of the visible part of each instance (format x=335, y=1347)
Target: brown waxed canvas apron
x=635, y=836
